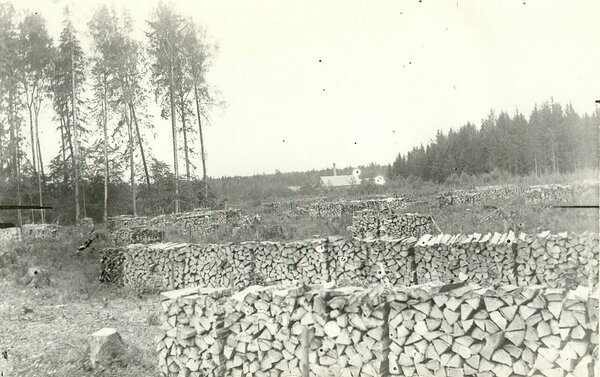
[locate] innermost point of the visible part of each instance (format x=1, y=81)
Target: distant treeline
x=553, y=140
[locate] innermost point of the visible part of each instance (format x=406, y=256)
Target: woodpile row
x=557, y=260
x=531, y=194
x=563, y=260
x=29, y=231
x=426, y=330
x=372, y=224
x=487, y=258
x=138, y=234
x=132, y=229
x=321, y=208
x=38, y=231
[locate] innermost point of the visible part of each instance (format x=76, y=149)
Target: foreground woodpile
x=321, y=207
x=191, y=339
x=381, y=224
x=133, y=229
x=563, y=260
x=531, y=194
x=426, y=330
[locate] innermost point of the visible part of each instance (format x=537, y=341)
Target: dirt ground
x=43, y=337
x=45, y=331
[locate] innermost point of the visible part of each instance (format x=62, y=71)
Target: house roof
x=340, y=180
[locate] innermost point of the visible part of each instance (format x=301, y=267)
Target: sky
x=311, y=83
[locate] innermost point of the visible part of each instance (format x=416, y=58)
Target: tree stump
x=106, y=346
x=36, y=277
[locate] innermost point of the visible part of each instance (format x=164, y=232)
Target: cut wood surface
x=370, y=223
x=423, y=330
x=486, y=259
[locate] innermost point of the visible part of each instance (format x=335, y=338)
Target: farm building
x=348, y=180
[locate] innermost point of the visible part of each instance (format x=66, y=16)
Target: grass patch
x=46, y=330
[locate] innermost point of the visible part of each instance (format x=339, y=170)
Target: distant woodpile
x=29, y=231
x=425, y=330
x=552, y=193
x=39, y=230
x=488, y=259
x=127, y=229
x=10, y=234
x=320, y=207
x=381, y=224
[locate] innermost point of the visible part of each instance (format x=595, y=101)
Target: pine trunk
x=140, y=143
x=185, y=144
x=174, y=131
x=62, y=147
x=131, y=162
x=40, y=173
x=75, y=141
x=203, y=157
x=106, y=170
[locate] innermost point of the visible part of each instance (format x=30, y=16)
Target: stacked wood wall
x=531, y=194
x=133, y=229
x=426, y=330
x=10, y=234
x=320, y=207
x=381, y=224
x=563, y=260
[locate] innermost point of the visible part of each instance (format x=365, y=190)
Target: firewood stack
x=111, y=266
x=489, y=259
x=86, y=222
x=191, y=339
x=10, y=234
x=406, y=225
x=365, y=225
x=346, y=260
x=254, y=343
x=203, y=222
x=39, y=231
x=114, y=224
x=208, y=266
x=483, y=259
x=350, y=333
x=558, y=260
x=391, y=261
x=138, y=234
x=551, y=193
x=271, y=262
x=510, y=331
x=130, y=229
x=379, y=224
x=154, y=266
x=320, y=207
x=426, y=330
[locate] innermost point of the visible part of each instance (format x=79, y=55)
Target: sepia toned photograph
x=285, y=188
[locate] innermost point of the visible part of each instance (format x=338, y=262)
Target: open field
x=47, y=329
